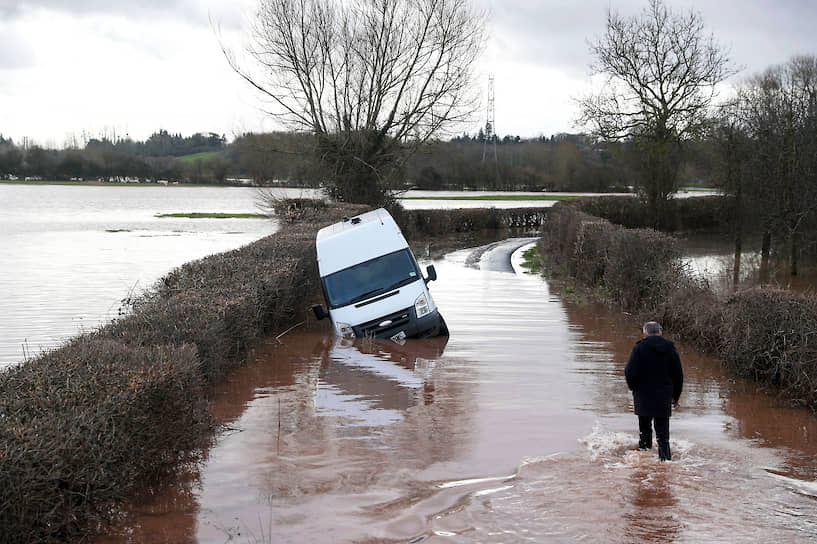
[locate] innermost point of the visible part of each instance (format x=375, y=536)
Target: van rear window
x=371, y=278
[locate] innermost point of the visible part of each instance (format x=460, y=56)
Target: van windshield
x=375, y=277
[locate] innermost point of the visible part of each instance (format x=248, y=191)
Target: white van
x=371, y=282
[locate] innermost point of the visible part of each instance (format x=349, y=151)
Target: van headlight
x=421, y=306
x=345, y=330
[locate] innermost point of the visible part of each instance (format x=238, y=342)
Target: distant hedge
x=764, y=334
x=635, y=266
x=682, y=214
x=423, y=223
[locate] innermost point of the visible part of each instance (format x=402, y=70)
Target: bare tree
x=779, y=111
x=661, y=75
x=371, y=79
x=732, y=146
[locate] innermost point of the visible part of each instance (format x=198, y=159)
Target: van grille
x=372, y=328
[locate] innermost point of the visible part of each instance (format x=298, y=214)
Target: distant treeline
x=105, y=159
x=565, y=162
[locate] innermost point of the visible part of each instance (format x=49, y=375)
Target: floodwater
x=70, y=255
x=712, y=258
x=518, y=428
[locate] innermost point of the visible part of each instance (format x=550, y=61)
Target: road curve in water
x=519, y=428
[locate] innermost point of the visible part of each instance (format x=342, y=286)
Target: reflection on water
x=712, y=258
x=519, y=428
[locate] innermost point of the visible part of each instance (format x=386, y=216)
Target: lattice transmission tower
x=490, y=128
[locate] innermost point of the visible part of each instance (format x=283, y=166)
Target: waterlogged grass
x=531, y=260
x=204, y=155
x=496, y=197
x=213, y=215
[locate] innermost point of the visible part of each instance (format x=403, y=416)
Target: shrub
x=417, y=224
x=637, y=267
x=682, y=214
x=770, y=335
x=223, y=302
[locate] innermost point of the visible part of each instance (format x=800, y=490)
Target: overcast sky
x=117, y=67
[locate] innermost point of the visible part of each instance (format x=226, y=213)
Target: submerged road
x=518, y=428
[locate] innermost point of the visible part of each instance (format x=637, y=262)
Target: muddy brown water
x=518, y=428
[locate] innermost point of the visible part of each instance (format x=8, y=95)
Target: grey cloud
x=555, y=33
x=15, y=51
x=194, y=12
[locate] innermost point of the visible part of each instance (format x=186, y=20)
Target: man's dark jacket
x=655, y=376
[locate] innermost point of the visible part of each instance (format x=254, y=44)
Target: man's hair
x=652, y=327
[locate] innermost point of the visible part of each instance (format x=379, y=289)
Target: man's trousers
x=661, y=424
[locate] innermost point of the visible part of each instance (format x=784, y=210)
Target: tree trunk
x=738, y=237
x=765, y=250
x=794, y=246
x=736, y=267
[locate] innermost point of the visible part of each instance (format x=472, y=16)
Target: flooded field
x=518, y=428
x=71, y=254
x=712, y=257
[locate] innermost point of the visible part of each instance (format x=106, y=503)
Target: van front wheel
x=443, y=327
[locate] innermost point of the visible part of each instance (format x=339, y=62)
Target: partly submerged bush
x=81, y=426
x=681, y=214
x=223, y=302
x=637, y=267
x=770, y=335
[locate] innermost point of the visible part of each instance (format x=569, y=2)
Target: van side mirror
x=431, y=272
x=319, y=312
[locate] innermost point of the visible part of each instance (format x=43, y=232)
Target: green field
x=205, y=156
x=205, y=215
x=495, y=197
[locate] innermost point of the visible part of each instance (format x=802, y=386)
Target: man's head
x=652, y=328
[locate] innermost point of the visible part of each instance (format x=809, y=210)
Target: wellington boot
x=664, y=453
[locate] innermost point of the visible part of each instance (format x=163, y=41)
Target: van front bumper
x=405, y=321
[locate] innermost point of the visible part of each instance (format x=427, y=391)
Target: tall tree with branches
x=660, y=76
x=779, y=110
x=371, y=79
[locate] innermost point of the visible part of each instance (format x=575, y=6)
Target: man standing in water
x=655, y=376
